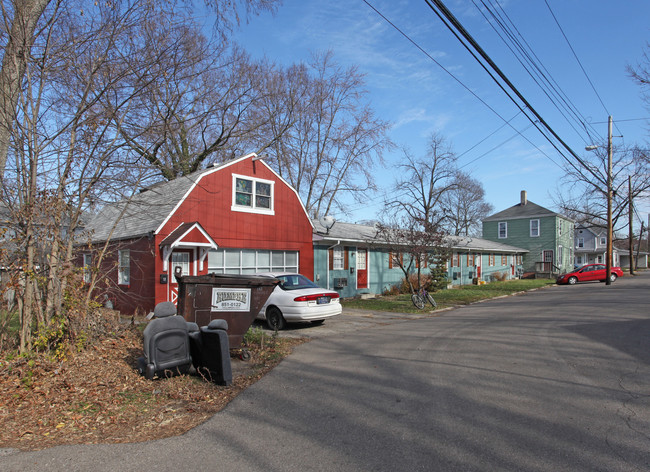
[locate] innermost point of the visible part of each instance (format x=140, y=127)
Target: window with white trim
x=338, y=258
x=503, y=230
x=603, y=241
x=581, y=242
x=534, y=228
x=123, y=267
x=251, y=261
x=252, y=195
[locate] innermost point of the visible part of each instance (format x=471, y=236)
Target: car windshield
x=295, y=282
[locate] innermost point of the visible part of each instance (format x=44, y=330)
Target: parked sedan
x=590, y=272
x=297, y=298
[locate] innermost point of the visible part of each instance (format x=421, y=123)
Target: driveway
x=557, y=379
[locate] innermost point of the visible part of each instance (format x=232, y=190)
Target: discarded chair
x=166, y=343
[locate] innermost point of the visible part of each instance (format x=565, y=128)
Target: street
x=555, y=379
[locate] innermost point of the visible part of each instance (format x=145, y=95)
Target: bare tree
x=197, y=100
x=20, y=21
x=641, y=74
x=25, y=20
x=424, y=182
x=464, y=206
x=584, y=197
x=415, y=246
x=330, y=139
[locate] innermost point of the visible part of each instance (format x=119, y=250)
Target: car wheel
x=572, y=280
x=274, y=319
x=613, y=277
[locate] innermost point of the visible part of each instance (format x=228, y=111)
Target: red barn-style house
x=237, y=217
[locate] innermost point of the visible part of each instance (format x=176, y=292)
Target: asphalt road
x=556, y=379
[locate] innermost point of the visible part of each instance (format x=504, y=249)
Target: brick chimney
x=524, y=197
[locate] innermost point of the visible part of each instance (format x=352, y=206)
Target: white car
x=297, y=298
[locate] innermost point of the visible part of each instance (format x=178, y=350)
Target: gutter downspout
x=338, y=243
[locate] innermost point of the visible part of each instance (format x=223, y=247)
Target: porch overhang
x=187, y=236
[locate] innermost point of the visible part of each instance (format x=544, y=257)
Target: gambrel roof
x=147, y=211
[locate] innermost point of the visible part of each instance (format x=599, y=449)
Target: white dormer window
x=252, y=195
x=603, y=241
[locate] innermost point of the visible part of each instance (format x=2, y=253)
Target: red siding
x=139, y=295
x=210, y=204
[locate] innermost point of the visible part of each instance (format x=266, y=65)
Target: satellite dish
x=327, y=221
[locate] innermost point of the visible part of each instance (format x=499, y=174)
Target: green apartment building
x=548, y=236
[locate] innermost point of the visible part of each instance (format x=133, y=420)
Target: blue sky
x=411, y=91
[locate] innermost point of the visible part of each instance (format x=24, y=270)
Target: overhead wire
x=532, y=64
x=578, y=61
x=506, y=122
x=466, y=39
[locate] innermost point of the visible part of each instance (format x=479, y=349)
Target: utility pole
x=631, y=232
x=610, y=229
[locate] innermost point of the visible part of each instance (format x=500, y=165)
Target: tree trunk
x=14, y=64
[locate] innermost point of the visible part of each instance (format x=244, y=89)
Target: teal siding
x=381, y=277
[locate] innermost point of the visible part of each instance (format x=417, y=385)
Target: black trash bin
x=237, y=299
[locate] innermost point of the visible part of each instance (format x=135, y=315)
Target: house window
x=534, y=228
x=88, y=261
x=395, y=259
x=181, y=259
x=579, y=260
x=503, y=230
x=123, y=267
x=504, y=259
x=251, y=261
x=252, y=195
x=491, y=261
x=519, y=260
x=603, y=241
x=455, y=260
x=470, y=260
x=599, y=259
x=338, y=258
x=581, y=242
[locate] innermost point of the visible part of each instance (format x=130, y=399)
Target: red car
x=590, y=272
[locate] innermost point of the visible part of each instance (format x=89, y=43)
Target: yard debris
x=97, y=396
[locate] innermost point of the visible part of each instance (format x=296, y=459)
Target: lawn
x=446, y=298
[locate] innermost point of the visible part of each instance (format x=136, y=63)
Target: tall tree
x=584, y=197
x=331, y=140
x=464, y=206
x=423, y=182
x=20, y=18
x=23, y=17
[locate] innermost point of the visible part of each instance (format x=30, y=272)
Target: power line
x=532, y=64
x=578, y=60
x=507, y=122
x=452, y=23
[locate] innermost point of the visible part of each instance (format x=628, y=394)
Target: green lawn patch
x=446, y=298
